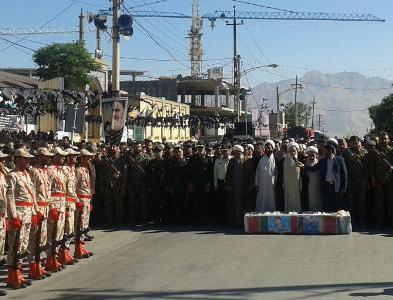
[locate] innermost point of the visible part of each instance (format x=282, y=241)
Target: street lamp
x=293, y=87
x=237, y=88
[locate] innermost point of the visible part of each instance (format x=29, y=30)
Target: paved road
x=215, y=264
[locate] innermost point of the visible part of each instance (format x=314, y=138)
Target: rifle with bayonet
x=355, y=159
x=382, y=157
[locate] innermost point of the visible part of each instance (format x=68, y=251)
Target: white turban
x=238, y=148
x=291, y=140
x=333, y=140
x=270, y=142
x=250, y=146
x=293, y=145
x=312, y=149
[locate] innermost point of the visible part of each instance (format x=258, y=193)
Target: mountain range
x=342, y=99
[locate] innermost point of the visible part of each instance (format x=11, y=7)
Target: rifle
x=110, y=164
x=53, y=239
x=354, y=158
x=382, y=158
x=135, y=165
x=37, y=256
x=66, y=237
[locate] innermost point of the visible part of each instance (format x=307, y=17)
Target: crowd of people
x=48, y=188
x=197, y=183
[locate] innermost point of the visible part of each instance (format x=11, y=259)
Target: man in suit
x=333, y=178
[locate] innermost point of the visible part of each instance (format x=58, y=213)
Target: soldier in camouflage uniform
x=114, y=187
x=40, y=178
x=84, y=194
x=71, y=198
x=354, y=157
x=381, y=181
x=155, y=182
x=21, y=216
x=136, y=184
x=57, y=207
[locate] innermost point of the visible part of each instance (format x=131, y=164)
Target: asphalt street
x=210, y=263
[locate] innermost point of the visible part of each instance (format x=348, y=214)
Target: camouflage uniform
x=20, y=199
x=41, y=182
x=137, y=189
x=58, y=193
x=357, y=183
x=71, y=198
x=114, y=192
x=381, y=180
x=3, y=209
x=84, y=194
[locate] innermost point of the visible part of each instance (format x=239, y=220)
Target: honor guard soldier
x=114, y=186
x=199, y=184
x=71, y=198
x=57, y=205
x=380, y=171
x=83, y=204
x=354, y=157
x=3, y=207
x=38, y=234
x=136, y=177
x=155, y=182
x=21, y=215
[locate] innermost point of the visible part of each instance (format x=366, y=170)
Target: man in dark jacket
x=333, y=178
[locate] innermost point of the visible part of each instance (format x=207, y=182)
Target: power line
x=259, y=48
x=341, y=110
x=12, y=43
x=53, y=18
x=264, y=6
x=154, y=39
x=148, y=4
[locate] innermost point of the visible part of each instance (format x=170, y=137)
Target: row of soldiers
x=185, y=183
x=45, y=201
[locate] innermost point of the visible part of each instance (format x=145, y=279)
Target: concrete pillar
x=227, y=98
x=183, y=96
x=193, y=98
x=202, y=100
x=216, y=96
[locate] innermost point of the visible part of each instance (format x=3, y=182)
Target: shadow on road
x=238, y=293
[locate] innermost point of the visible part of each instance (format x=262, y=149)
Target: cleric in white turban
x=312, y=149
x=238, y=148
x=293, y=145
x=271, y=142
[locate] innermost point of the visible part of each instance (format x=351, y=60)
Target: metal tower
x=195, y=36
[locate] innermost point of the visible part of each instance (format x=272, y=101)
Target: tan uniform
x=84, y=194
x=42, y=183
x=20, y=199
x=58, y=193
x=71, y=198
x=3, y=209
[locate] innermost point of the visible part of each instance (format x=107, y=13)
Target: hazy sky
x=297, y=46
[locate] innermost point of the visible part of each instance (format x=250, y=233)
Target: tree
x=68, y=60
x=382, y=114
x=303, y=113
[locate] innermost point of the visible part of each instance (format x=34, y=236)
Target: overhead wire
x=43, y=25
x=264, y=6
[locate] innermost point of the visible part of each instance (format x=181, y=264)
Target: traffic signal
x=243, y=94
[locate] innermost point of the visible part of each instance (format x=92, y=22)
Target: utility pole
x=236, y=66
x=115, y=49
x=297, y=85
x=313, y=110
x=278, y=105
x=82, y=27
x=319, y=122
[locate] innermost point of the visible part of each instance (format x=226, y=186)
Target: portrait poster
x=114, y=113
x=279, y=224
